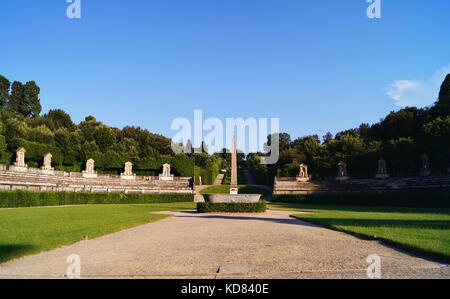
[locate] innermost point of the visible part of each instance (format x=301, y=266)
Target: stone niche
x=166, y=175
x=425, y=171
x=382, y=170
x=90, y=170
x=342, y=174
x=47, y=164
x=19, y=165
x=303, y=176
x=128, y=172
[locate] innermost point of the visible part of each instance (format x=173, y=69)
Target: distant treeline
x=72, y=144
x=400, y=139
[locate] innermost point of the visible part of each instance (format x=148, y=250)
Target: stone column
x=234, y=181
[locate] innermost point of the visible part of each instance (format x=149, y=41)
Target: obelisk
x=234, y=181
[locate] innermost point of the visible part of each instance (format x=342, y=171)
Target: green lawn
x=225, y=189
x=31, y=230
x=424, y=231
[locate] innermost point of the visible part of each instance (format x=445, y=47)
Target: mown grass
x=27, y=231
x=423, y=231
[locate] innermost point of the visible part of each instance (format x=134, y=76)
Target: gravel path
x=270, y=245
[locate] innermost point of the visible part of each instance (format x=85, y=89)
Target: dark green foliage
x=209, y=207
x=59, y=119
x=36, y=151
x=71, y=144
x=24, y=99
x=442, y=107
x=19, y=198
x=422, y=200
x=183, y=165
x=5, y=84
x=210, y=171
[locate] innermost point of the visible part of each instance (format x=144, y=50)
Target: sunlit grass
x=426, y=231
x=31, y=230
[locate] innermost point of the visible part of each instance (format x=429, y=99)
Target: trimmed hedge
x=16, y=199
x=413, y=200
x=233, y=207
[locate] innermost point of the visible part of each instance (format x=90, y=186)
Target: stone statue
x=342, y=169
x=303, y=176
x=303, y=171
x=90, y=166
x=382, y=170
x=425, y=165
x=19, y=165
x=90, y=170
x=342, y=174
x=47, y=164
x=128, y=172
x=166, y=175
x=128, y=168
x=20, y=157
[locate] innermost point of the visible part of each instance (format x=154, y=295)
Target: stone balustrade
x=38, y=180
x=439, y=183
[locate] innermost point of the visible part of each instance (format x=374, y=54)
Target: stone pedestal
x=166, y=178
x=229, y=198
x=127, y=177
x=425, y=172
x=89, y=175
x=382, y=176
x=342, y=178
x=302, y=179
x=48, y=171
x=18, y=168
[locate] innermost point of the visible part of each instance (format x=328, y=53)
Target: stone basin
x=228, y=198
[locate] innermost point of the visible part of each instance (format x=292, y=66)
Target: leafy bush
x=16, y=199
x=422, y=200
x=234, y=207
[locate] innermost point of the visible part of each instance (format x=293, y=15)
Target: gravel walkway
x=270, y=245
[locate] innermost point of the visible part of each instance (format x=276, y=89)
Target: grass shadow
x=9, y=252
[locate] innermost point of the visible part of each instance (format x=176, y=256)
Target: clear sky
x=318, y=65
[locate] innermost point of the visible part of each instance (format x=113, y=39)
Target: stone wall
x=437, y=183
x=40, y=180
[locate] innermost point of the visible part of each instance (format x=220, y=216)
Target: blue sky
x=318, y=65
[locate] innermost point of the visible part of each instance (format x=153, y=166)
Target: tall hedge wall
x=419, y=200
x=16, y=199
